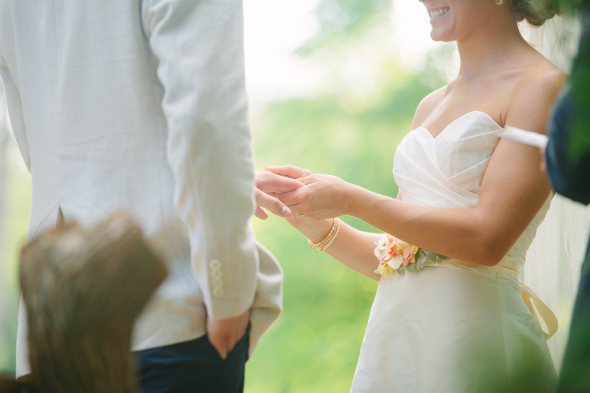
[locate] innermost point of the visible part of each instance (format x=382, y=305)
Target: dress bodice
x=447, y=171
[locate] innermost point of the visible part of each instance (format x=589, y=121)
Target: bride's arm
x=513, y=190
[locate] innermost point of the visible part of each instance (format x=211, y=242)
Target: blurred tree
x=315, y=344
x=339, y=19
x=350, y=129
x=3, y=159
x=5, y=314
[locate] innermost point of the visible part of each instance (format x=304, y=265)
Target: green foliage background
x=314, y=345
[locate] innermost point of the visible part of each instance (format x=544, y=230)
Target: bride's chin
x=440, y=35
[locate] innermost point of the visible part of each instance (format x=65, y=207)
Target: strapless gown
x=453, y=327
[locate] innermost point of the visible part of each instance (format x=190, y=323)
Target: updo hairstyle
x=536, y=12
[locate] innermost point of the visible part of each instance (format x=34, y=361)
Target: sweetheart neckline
x=454, y=121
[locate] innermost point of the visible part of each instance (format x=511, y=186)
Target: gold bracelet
x=319, y=247
x=333, y=237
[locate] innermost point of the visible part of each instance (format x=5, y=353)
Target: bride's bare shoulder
x=543, y=75
x=535, y=92
x=427, y=106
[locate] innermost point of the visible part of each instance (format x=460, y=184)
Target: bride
x=455, y=318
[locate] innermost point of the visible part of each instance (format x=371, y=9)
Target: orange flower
x=393, y=253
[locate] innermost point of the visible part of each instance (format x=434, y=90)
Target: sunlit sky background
x=275, y=28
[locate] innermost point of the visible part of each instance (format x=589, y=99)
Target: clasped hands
x=285, y=190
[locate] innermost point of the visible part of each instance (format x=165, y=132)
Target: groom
x=141, y=105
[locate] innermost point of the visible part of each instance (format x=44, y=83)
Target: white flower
x=393, y=253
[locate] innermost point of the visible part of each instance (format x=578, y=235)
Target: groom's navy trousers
x=193, y=367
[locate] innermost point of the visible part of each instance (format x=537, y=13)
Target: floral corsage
x=397, y=255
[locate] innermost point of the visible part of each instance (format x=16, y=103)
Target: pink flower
x=407, y=259
x=392, y=250
x=393, y=253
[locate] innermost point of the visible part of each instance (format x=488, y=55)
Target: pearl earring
x=499, y=2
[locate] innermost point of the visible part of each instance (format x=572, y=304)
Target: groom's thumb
x=220, y=344
x=223, y=351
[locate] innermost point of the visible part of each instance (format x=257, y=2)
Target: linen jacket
x=141, y=105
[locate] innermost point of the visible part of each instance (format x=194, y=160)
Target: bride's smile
x=454, y=20
x=438, y=13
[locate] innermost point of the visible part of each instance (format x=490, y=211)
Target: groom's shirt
x=141, y=105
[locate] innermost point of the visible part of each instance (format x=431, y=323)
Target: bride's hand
x=323, y=196
x=314, y=229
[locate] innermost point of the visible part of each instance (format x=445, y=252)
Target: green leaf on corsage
x=397, y=255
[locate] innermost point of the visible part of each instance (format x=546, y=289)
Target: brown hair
x=536, y=12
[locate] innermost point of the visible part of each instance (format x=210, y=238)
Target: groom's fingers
x=289, y=171
x=271, y=204
x=272, y=183
x=225, y=333
x=260, y=213
x=280, y=184
x=307, y=180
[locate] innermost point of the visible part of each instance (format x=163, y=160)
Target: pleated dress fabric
x=453, y=327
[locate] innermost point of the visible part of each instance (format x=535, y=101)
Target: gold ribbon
x=535, y=305
x=539, y=310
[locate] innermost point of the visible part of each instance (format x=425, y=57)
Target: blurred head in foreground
x=83, y=289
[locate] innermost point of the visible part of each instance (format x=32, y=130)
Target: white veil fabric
x=554, y=259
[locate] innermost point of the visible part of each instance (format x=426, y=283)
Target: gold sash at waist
x=509, y=267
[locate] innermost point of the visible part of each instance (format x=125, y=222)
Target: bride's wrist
x=357, y=198
x=315, y=230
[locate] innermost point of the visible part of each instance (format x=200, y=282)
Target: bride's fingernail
x=285, y=211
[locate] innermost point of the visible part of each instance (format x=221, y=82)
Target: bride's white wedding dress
x=454, y=327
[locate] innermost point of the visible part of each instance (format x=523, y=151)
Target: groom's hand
x=289, y=171
x=268, y=185
x=224, y=334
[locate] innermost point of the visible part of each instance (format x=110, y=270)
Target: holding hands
x=314, y=206
x=324, y=196
x=316, y=196
x=267, y=187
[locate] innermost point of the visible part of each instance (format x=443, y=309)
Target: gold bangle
x=319, y=247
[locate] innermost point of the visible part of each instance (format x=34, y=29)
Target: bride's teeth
x=437, y=13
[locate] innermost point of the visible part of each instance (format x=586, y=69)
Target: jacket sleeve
x=199, y=47
x=568, y=176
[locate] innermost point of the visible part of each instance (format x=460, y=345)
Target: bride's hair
x=536, y=12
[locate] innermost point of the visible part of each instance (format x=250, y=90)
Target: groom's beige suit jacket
x=141, y=105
